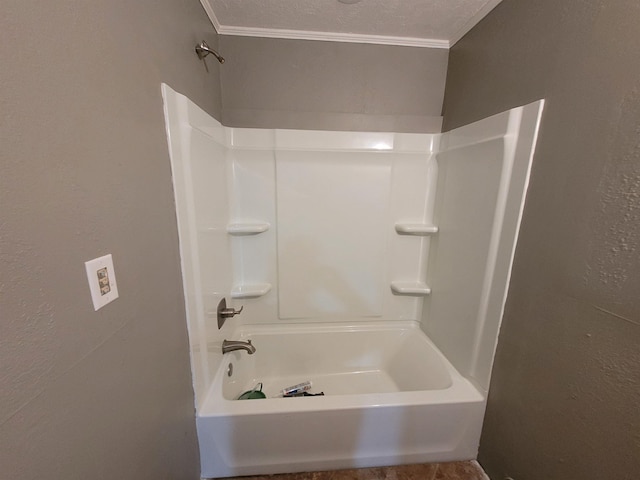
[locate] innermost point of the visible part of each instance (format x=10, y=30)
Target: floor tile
x=426, y=471
x=460, y=471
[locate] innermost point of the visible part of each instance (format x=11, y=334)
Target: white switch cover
x=102, y=280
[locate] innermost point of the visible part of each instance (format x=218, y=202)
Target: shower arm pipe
x=202, y=49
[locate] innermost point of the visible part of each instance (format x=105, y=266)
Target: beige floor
x=430, y=471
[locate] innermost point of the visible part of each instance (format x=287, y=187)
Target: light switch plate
x=102, y=281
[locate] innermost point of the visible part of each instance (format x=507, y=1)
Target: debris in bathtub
x=304, y=394
x=253, y=394
x=299, y=388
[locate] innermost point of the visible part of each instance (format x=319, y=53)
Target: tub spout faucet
x=233, y=345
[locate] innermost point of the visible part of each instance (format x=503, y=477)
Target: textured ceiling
x=443, y=20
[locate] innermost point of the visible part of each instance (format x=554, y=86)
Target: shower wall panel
x=331, y=200
x=333, y=216
x=200, y=170
x=483, y=177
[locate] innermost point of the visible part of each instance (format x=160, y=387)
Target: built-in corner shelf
x=247, y=228
x=250, y=290
x=416, y=229
x=417, y=289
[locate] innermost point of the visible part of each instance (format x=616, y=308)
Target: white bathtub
x=390, y=398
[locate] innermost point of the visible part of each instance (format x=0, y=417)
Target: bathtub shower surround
x=390, y=397
x=374, y=265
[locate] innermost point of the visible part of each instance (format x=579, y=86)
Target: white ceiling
x=425, y=23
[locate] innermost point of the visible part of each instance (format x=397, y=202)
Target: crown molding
x=332, y=37
x=473, y=21
x=211, y=14
x=321, y=36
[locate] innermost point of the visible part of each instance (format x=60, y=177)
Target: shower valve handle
x=224, y=312
x=230, y=312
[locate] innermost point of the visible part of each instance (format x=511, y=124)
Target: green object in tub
x=253, y=394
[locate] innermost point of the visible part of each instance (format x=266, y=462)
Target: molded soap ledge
x=416, y=228
x=252, y=290
x=247, y=228
x=410, y=288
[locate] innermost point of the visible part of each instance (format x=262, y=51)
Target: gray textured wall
x=84, y=171
x=565, y=392
x=276, y=83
